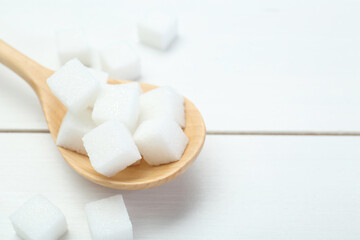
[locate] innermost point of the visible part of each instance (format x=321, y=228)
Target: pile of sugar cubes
x=117, y=124
x=39, y=219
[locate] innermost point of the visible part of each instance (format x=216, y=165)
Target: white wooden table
x=252, y=67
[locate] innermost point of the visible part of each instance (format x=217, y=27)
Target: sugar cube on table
x=39, y=219
x=111, y=148
x=74, y=86
x=73, y=128
x=71, y=43
x=118, y=102
x=121, y=61
x=163, y=101
x=160, y=140
x=108, y=219
x=101, y=76
x=157, y=30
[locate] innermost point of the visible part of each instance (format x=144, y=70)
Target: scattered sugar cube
x=160, y=140
x=118, y=102
x=121, y=62
x=163, y=101
x=72, y=130
x=108, y=219
x=111, y=148
x=39, y=219
x=101, y=76
x=157, y=30
x=74, y=86
x=71, y=43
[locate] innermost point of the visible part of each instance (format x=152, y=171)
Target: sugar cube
x=163, y=101
x=118, y=102
x=71, y=43
x=160, y=140
x=108, y=219
x=101, y=76
x=157, y=30
x=39, y=219
x=111, y=148
x=134, y=85
x=121, y=61
x=74, y=86
x=73, y=128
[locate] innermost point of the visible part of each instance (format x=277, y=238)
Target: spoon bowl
x=132, y=178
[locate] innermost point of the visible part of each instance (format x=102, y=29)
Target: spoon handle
x=32, y=72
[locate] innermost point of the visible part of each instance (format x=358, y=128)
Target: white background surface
x=249, y=66
x=287, y=66
x=274, y=187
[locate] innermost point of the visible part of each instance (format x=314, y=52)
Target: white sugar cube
x=163, y=101
x=72, y=130
x=121, y=62
x=157, y=30
x=134, y=85
x=39, y=219
x=74, y=86
x=118, y=102
x=71, y=43
x=108, y=219
x=101, y=76
x=160, y=140
x=111, y=148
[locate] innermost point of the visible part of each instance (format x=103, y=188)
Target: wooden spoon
x=135, y=177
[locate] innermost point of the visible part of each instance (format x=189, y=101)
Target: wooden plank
x=241, y=187
x=248, y=65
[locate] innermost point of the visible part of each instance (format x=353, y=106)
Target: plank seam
x=286, y=133
x=271, y=133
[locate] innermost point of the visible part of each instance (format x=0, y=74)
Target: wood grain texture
x=136, y=177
